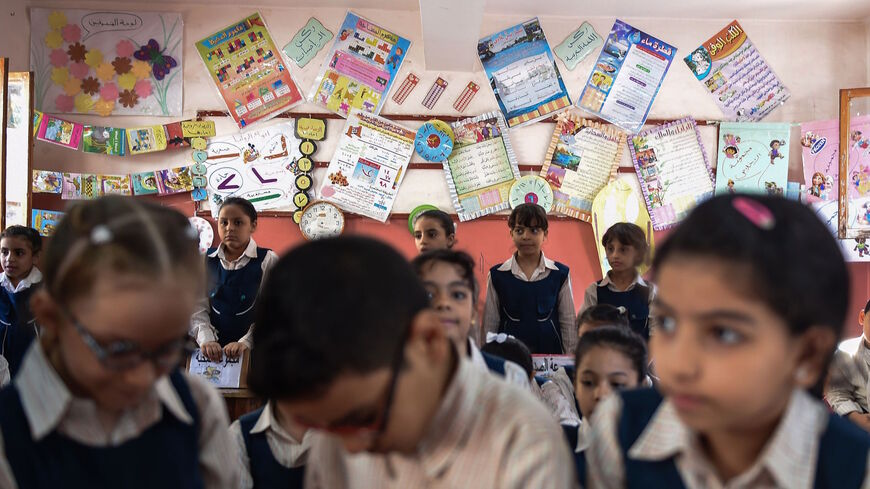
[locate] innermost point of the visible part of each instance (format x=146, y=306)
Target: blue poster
x=753, y=158
x=626, y=77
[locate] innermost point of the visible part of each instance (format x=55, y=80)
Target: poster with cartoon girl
x=753, y=158
x=820, y=153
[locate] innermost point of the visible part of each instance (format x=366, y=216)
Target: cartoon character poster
x=45, y=222
x=753, y=158
x=737, y=76
x=523, y=73
x=248, y=71
x=360, y=68
x=107, y=62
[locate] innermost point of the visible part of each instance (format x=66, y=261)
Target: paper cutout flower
x=128, y=98
x=127, y=81
x=58, y=58
x=71, y=33
x=83, y=104
x=143, y=88
x=104, y=107
x=79, y=70
x=125, y=48
x=122, y=65
x=64, y=103
x=57, y=19
x=60, y=75
x=105, y=72
x=94, y=58
x=141, y=69
x=109, y=92
x=53, y=39
x=91, y=85
x=77, y=52
x=72, y=86
x=160, y=63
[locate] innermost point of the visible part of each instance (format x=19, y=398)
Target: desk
x=240, y=401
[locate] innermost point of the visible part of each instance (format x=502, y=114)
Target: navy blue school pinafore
x=571, y=436
x=266, y=472
x=635, y=301
x=530, y=310
x=17, y=325
x=164, y=455
x=841, y=464
x=232, y=295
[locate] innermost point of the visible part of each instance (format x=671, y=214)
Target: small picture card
x=174, y=180
x=175, y=136
x=465, y=97
x=72, y=186
x=91, y=188
x=405, y=88
x=58, y=131
x=146, y=139
x=37, y=121
x=103, y=140
x=45, y=222
x=434, y=93
x=116, y=185
x=145, y=183
x=47, y=182
x=226, y=374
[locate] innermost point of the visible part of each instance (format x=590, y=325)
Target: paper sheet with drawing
x=672, y=170
x=753, y=157
x=368, y=165
x=226, y=374
x=482, y=166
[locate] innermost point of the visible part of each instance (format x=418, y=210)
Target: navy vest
x=841, y=464
x=164, y=455
x=571, y=436
x=530, y=310
x=232, y=296
x=494, y=364
x=17, y=326
x=266, y=472
x=635, y=301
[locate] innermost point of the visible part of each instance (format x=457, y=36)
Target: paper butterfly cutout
x=161, y=63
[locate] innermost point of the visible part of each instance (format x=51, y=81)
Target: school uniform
x=636, y=299
x=270, y=456
x=639, y=441
x=175, y=437
x=537, y=310
x=578, y=438
x=850, y=372
x=557, y=393
x=17, y=325
x=484, y=435
x=228, y=315
x=505, y=369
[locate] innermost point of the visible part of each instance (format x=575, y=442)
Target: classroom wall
x=814, y=59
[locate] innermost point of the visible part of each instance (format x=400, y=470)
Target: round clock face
x=206, y=232
x=531, y=189
x=321, y=220
x=434, y=141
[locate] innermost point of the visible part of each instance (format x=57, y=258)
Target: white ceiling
x=842, y=10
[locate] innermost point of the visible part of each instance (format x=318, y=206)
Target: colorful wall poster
x=257, y=165
x=578, y=45
x=45, y=222
x=368, y=165
x=582, y=157
x=482, y=166
x=58, y=131
x=737, y=77
x=523, y=73
x=247, y=69
x=103, y=140
x=854, y=249
x=360, y=68
x=672, y=170
x=307, y=42
x=627, y=76
x=107, y=62
x=618, y=202
x=753, y=158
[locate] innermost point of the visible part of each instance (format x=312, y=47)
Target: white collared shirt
x=788, y=460
x=200, y=323
x=492, y=309
x=590, y=296
x=847, y=388
x=287, y=449
x=484, y=435
x=513, y=373
x=49, y=406
x=32, y=278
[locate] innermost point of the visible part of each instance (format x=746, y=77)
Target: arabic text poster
x=307, y=42
x=627, y=76
x=258, y=165
x=523, y=73
x=107, y=62
x=753, y=158
x=368, y=165
x=247, y=68
x=672, y=170
x=582, y=157
x=482, y=167
x=737, y=77
x=360, y=68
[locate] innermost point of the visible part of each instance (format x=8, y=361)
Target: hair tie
x=622, y=310
x=498, y=338
x=100, y=235
x=755, y=212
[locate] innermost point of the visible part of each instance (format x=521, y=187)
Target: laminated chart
x=405, y=88
x=434, y=93
x=753, y=158
x=465, y=97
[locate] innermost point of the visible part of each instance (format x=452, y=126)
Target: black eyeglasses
x=125, y=355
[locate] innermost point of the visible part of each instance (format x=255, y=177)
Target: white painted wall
x=814, y=59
